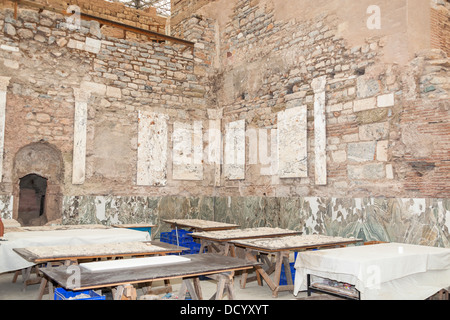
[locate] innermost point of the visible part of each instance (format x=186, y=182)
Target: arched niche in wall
x=38, y=177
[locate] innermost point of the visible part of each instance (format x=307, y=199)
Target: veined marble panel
x=415, y=221
x=292, y=143
x=152, y=149
x=6, y=206
x=234, y=166
x=188, y=151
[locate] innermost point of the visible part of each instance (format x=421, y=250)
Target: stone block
x=75, y=44
x=371, y=171
x=364, y=104
x=9, y=48
x=374, y=131
x=339, y=156
x=43, y=117
x=367, y=87
x=25, y=33
x=93, y=45
x=11, y=64
x=361, y=151
x=386, y=100
x=382, y=150
x=389, y=171
x=93, y=87
x=113, y=92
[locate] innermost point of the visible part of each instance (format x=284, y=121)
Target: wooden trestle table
x=72, y=255
x=199, y=225
x=218, y=267
x=221, y=241
x=281, y=248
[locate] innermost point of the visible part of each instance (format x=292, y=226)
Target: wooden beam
x=126, y=27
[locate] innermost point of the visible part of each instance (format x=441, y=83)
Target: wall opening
x=38, y=172
x=33, y=189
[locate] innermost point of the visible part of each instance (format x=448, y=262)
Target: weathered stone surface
x=256, y=60
x=320, y=130
x=374, y=131
x=361, y=151
x=292, y=143
x=152, y=149
x=188, y=151
x=371, y=116
x=234, y=165
x=387, y=100
x=364, y=104
x=372, y=171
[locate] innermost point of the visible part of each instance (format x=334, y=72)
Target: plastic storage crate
x=165, y=237
x=283, y=278
x=62, y=294
x=195, y=247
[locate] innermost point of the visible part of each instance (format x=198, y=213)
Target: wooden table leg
x=198, y=288
x=42, y=287
x=125, y=292
x=194, y=290
x=275, y=268
x=220, y=288
x=282, y=258
x=225, y=282
x=203, y=245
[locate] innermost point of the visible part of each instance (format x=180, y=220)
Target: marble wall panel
x=152, y=149
x=6, y=206
x=415, y=221
x=320, y=130
x=234, y=165
x=4, y=82
x=80, y=136
x=292, y=143
x=188, y=151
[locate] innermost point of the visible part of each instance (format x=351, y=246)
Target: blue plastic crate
x=183, y=238
x=283, y=278
x=62, y=294
x=195, y=247
x=165, y=237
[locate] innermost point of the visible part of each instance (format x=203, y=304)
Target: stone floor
x=16, y=291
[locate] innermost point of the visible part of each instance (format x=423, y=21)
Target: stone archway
x=41, y=162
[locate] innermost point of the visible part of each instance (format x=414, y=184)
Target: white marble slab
x=79, y=136
x=234, y=166
x=132, y=263
x=4, y=82
x=188, y=151
x=152, y=149
x=320, y=130
x=293, y=143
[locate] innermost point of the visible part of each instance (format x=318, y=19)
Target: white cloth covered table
x=11, y=261
x=390, y=271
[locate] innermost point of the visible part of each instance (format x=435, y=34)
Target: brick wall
x=266, y=65
x=124, y=76
x=440, y=26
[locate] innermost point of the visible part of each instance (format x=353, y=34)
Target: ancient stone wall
x=83, y=93
x=265, y=65
x=385, y=91
x=283, y=114
x=113, y=11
